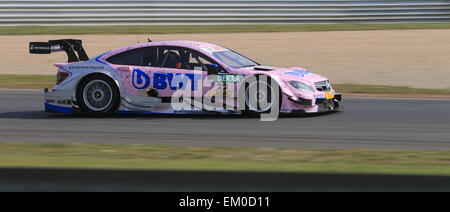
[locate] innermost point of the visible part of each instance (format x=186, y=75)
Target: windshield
x=234, y=59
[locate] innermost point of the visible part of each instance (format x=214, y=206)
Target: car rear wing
x=73, y=48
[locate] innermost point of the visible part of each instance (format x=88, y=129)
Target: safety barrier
x=195, y=12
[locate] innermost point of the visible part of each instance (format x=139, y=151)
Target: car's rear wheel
x=98, y=95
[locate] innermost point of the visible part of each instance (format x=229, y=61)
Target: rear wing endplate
x=73, y=48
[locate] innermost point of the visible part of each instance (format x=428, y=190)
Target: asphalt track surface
x=366, y=123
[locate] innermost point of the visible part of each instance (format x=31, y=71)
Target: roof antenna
x=149, y=40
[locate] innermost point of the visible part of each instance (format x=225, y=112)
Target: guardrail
x=174, y=12
x=204, y=181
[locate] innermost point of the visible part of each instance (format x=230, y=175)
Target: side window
x=171, y=58
x=183, y=58
x=132, y=57
x=150, y=57
x=205, y=64
x=147, y=56
x=174, y=57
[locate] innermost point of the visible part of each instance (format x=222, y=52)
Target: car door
x=222, y=92
x=173, y=72
x=199, y=69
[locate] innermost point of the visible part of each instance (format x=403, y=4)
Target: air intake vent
x=264, y=68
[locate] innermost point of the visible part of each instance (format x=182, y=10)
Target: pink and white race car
x=179, y=77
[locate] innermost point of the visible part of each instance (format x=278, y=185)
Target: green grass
x=223, y=158
x=48, y=81
x=27, y=81
x=78, y=30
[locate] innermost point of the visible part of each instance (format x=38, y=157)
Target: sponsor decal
x=221, y=90
x=33, y=47
x=140, y=79
x=56, y=48
x=162, y=81
x=59, y=102
x=64, y=102
x=233, y=78
x=221, y=93
x=297, y=73
x=161, y=107
x=87, y=67
x=329, y=95
x=320, y=95
x=212, y=49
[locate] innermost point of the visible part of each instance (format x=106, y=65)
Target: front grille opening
x=324, y=101
x=322, y=86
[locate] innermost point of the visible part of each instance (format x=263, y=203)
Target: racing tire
x=98, y=95
x=270, y=95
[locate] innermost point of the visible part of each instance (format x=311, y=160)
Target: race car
x=173, y=77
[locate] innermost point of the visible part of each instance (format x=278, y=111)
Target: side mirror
x=213, y=69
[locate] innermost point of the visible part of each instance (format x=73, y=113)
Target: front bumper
x=318, y=105
x=329, y=106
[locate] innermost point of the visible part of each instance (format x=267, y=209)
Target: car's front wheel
x=98, y=95
x=262, y=95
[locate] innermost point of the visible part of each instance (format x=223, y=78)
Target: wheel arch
x=99, y=74
x=77, y=88
x=278, y=81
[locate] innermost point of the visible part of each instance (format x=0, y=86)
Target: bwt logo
x=140, y=79
x=162, y=81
